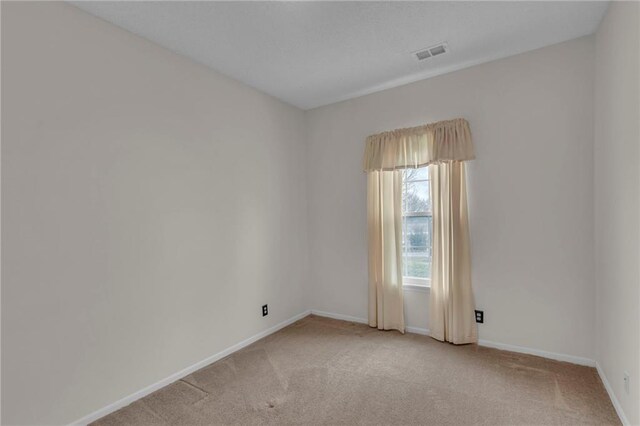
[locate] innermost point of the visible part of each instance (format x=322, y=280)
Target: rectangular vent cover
x=429, y=52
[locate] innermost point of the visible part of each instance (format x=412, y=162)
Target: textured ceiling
x=315, y=53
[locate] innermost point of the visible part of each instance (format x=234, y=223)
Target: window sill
x=421, y=288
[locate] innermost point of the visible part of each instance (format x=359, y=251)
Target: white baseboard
x=185, y=372
x=538, y=352
x=416, y=330
x=339, y=316
x=612, y=396
x=551, y=355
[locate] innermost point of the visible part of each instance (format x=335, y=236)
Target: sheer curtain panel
x=384, y=221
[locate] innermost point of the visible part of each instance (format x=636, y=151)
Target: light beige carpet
x=323, y=371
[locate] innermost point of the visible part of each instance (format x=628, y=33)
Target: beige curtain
x=384, y=220
x=451, y=304
x=419, y=146
x=444, y=146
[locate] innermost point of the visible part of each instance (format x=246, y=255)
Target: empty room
x=320, y=213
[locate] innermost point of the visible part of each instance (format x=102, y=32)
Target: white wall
x=617, y=201
x=530, y=194
x=149, y=208
x=151, y=205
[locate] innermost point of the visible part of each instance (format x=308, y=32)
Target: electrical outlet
x=626, y=382
x=479, y=317
x=265, y=310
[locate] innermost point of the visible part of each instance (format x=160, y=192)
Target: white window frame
x=416, y=283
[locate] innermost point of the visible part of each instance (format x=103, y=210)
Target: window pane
x=416, y=197
x=417, y=246
x=417, y=174
x=417, y=224
x=418, y=267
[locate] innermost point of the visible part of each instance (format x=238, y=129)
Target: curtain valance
x=443, y=141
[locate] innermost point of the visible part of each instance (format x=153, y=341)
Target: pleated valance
x=443, y=141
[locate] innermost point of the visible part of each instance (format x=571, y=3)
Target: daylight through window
x=416, y=227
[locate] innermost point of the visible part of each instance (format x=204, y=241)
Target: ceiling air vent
x=429, y=52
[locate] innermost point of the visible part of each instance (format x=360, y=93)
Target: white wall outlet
x=626, y=382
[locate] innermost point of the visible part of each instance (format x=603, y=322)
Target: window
x=416, y=227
